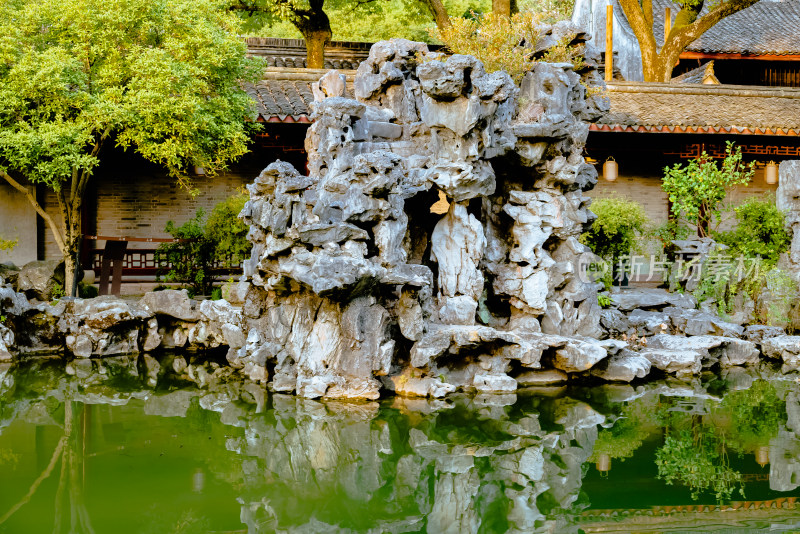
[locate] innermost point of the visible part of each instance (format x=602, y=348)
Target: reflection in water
x=97, y=450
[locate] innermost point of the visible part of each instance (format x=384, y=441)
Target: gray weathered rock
x=579, y=356
x=725, y=350
x=758, y=333
x=38, y=279
x=674, y=361
x=624, y=367
x=784, y=348
x=651, y=299
x=543, y=377
x=172, y=303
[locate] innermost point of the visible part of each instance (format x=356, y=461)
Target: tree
x=308, y=16
x=161, y=77
x=688, y=25
x=697, y=189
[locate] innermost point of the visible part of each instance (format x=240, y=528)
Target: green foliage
x=636, y=422
x=7, y=244
x=216, y=293
x=86, y=291
x=503, y=43
x=698, y=188
x=191, y=258
x=58, y=291
x=498, y=41
x=227, y=231
x=760, y=230
x=617, y=228
x=221, y=239
x=697, y=459
x=664, y=234
x=375, y=20
x=757, y=414
x=163, y=76
x=726, y=279
x=604, y=300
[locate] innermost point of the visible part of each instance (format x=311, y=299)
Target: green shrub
x=664, y=234
x=191, y=259
x=221, y=239
x=620, y=222
x=87, y=291
x=228, y=232
x=760, y=231
x=697, y=189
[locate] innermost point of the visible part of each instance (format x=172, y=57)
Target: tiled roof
x=291, y=53
x=685, y=108
x=284, y=95
x=765, y=28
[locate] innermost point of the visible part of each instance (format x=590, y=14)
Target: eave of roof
x=701, y=109
x=284, y=94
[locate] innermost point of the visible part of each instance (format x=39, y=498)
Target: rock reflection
x=487, y=463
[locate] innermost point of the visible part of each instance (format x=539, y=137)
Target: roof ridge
x=744, y=91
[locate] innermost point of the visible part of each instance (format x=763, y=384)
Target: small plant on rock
x=505, y=43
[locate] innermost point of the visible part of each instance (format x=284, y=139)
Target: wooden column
x=609, y=42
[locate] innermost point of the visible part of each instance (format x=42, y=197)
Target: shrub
x=221, y=239
x=228, y=232
x=504, y=43
x=697, y=189
x=191, y=258
x=760, y=231
x=664, y=234
x=615, y=232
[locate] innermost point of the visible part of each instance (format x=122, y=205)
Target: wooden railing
x=132, y=265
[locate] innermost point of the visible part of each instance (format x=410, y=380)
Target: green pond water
x=94, y=448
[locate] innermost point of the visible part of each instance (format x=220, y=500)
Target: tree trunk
x=72, y=258
x=657, y=67
x=501, y=7
x=439, y=13
x=315, y=26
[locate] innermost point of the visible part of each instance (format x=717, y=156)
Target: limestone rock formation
x=357, y=283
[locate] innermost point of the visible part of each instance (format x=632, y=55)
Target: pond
x=91, y=447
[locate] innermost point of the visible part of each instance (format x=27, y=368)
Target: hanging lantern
x=603, y=464
x=771, y=173
x=610, y=170
x=762, y=456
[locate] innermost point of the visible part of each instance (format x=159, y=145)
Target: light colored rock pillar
x=457, y=245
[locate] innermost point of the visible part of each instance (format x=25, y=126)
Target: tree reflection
x=70, y=512
x=697, y=443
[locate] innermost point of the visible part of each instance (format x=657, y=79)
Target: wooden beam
x=609, y=42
